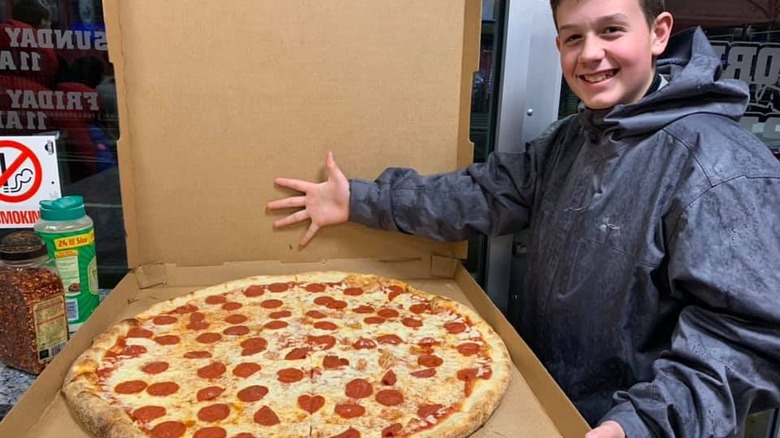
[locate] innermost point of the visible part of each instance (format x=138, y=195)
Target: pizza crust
x=82, y=392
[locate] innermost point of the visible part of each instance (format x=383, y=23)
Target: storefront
x=55, y=77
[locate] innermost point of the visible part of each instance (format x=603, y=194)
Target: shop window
x=55, y=78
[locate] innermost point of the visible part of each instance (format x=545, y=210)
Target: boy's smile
x=608, y=50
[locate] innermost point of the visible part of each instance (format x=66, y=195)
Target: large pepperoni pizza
x=325, y=354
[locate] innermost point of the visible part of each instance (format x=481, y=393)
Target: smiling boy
x=652, y=293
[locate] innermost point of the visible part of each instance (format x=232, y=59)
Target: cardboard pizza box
x=218, y=98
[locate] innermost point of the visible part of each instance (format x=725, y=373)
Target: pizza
x=320, y=354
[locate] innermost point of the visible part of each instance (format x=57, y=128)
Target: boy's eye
x=613, y=29
x=571, y=38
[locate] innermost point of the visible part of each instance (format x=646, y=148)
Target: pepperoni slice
x=337, y=305
x=216, y=299
x=212, y=370
x=349, y=410
x=138, y=332
x=232, y=306
x=253, y=291
x=130, y=387
x=311, y=404
x=210, y=432
x=419, y=308
x=429, y=361
x=167, y=340
x=349, y=433
x=198, y=325
x=289, y=375
x=374, y=320
x=236, y=330
x=244, y=435
x=208, y=338
x=363, y=343
x=278, y=287
x=161, y=389
x=428, y=342
x=281, y=314
x=390, y=339
x=197, y=316
x=387, y=313
x=392, y=431
x=236, y=319
x=323, y=300
x=148, y=413
x=315, y=314
x=252, y=346
x=353, y=291
x=265, y=416
x=187, y=308
x=363, y=309
x=394, y=292
x=411, y=322
x=168, y=429
x=315, y=287
x=389, y=378
x=455, y=327
x=389, y=397
x=197, y=355
x=246, y=369
x=469, y=348
x=424, y=374
x=275, y=324
x=358, y=388
x=324, y=342
x=325, y=325
x=209, y=393
x=155, y=367
x=216, y=412
x=252, y=393
x=133, y=350
x=271, y=304
x=426, y=410
x=297, y=353
x=332, y=361
x=164, y=320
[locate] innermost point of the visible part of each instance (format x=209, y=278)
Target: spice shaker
x=32, y=304
x=70, y=237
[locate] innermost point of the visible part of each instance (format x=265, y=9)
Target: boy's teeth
x=598, y=78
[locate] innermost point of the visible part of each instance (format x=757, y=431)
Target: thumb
x=607, y=429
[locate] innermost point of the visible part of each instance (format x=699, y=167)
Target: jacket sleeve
x=490, y=198
x=724, y=359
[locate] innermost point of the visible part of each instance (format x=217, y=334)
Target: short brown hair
x=651, y=9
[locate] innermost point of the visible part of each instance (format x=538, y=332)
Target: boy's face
x=607, y=49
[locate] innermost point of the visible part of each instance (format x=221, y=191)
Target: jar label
x=74, y=255
x=51, y=329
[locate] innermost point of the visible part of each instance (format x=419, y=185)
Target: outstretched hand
x=607, y=429
x=325, y=203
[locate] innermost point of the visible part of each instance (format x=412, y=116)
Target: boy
x=653, y=285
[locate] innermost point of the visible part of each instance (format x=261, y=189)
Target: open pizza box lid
x=219, y=98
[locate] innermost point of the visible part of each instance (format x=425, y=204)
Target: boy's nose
x=592, y=50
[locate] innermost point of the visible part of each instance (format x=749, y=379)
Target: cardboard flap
x=222, y=97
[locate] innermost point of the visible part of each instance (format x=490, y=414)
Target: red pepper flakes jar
x=33, y=322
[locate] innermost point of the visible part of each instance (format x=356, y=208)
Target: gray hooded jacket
x=653, y=291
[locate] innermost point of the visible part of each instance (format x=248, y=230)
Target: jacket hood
x=693, y=71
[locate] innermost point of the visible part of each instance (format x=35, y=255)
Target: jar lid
x=22, y=245
x=63, y=209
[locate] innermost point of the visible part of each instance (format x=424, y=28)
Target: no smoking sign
x=28, y=175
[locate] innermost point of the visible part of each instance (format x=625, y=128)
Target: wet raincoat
x=653, y=289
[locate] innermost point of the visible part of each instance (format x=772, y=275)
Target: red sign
x=13, y=170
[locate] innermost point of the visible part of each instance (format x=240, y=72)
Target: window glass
x=55, y=78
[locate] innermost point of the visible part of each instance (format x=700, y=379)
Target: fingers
x=291, y=202
x=333, y=170
x=295, y=184
x=294, y=218
x=608, y=429
x=309, y=234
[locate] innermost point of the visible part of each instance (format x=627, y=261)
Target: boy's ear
x=558, y=42
x=662, y=30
